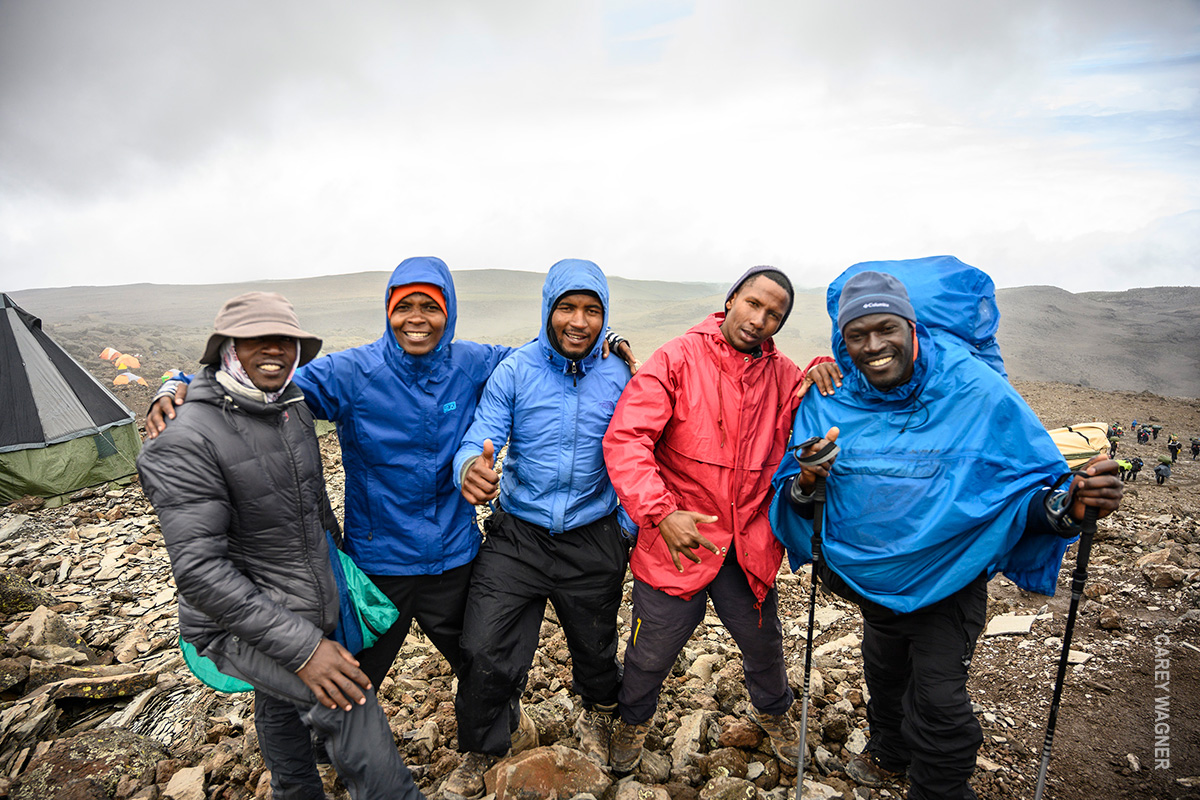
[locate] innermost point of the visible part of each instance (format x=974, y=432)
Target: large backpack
x=1080, y=443
x=949, y=297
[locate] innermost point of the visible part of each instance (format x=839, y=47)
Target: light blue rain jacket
x=553, y=413
x=934, y=478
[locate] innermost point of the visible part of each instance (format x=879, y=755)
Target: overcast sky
x=1046, y=141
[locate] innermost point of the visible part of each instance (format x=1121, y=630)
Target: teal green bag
x=208, y=674
x=366, y=612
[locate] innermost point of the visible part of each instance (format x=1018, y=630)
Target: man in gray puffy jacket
x=237, y=485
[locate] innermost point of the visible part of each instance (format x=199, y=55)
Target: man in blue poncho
x=922, y=508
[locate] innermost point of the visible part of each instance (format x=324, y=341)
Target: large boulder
x=90, y=762
x=44, y=627
x=18, y=595
x=546, y=772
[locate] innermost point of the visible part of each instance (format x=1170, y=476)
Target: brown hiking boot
x=627, y=742
x=525, y=737
x=466, y=782
x=594, y=729
x=864, y=770
x=785, y=741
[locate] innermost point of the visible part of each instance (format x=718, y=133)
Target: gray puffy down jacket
x=240, y=496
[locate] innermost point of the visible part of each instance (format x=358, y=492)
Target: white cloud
x=671, y=140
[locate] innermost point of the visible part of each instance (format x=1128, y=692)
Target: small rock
x=729, y=788
x=1110, y=619
x=1009, y=624
x=186, y=784
x=1163, y=576
x=856, y=742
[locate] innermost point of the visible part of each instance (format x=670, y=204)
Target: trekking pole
x=825, y=454
x=1077, y=580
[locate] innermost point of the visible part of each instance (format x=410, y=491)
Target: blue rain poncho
x=934, y=479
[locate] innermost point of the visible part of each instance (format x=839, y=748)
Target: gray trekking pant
x=359, y=742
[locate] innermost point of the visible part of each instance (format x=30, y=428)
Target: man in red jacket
x=691, y=450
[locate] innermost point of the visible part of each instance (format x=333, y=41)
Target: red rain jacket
x=702, y=427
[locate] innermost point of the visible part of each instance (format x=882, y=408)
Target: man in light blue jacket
x=554, y=534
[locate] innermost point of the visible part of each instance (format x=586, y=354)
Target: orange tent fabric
x=109, y=354
x=128, y=377
x=128, y=362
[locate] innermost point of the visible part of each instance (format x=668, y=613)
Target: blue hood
x=955, y=302
x=568, y=276
x=423, y=269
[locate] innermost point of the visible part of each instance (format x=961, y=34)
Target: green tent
x=61, y=430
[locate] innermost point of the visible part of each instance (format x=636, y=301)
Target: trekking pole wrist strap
x=826, y=453
x=1058, y=506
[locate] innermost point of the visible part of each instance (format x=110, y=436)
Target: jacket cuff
x=462, y=473
x=311, y=653
x=670, y=507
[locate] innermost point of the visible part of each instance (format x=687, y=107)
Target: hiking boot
x=864, y=770
x=626, y=749
x=525, y=737
x=785, y=741
x=594, y=729
x=466, y=782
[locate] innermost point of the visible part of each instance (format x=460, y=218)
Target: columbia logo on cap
x=877, y=305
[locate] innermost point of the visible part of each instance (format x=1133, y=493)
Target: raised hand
x=481, y=483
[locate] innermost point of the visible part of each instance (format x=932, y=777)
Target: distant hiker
x=920, y=511
x=691, y=449
x=1135, y=466
x=1174, y=448
x=402, y=404
x=554, y=534
x=1161, y=473
x=1125, y=467
x=236, y=481
x=1195, y=448
x=1155, y=429
x=1133, y=425
x=1112, y=448
x=1143, y=436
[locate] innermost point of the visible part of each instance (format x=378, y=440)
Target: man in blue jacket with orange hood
x=922, y=508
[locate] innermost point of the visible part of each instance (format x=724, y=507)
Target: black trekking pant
x=919, y=713
x=663, y=623
x=519, y=567
x=359, y=742
x=436, y=602
x=916, y=666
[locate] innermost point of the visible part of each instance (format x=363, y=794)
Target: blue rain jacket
x=934, y=478
x=399, y=420
x=553, y=413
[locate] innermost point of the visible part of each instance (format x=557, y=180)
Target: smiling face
x=268, y=360
x=754, y=313
x=575, y=323
x=418, y=323
x=881, y=346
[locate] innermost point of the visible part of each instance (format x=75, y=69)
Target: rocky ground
x=95, y=700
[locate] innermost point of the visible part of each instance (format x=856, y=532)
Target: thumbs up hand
x=481, y=482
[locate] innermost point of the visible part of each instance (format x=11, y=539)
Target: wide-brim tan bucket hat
x=255, y=314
